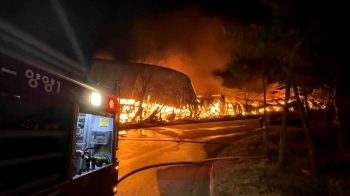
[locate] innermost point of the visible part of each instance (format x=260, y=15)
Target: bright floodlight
x=95, y=99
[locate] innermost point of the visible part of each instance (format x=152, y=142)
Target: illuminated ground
x=174, y=180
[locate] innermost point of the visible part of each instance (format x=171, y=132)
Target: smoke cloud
x=188, y=41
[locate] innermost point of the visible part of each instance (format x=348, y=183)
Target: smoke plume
x=188, y=41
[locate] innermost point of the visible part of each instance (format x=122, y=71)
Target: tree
x=297, y=34
x=333, y=87
x=251, y=56
x=328, y=73
x=244, y=71
x=143, y=85
x=280, y=38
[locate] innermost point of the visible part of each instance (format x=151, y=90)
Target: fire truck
x=57, y=134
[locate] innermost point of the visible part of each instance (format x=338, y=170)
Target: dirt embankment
x=252, y=177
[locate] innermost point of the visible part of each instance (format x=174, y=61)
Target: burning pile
x=205, y=108
x=151, y=111
x=202, y=109
x=167, y=95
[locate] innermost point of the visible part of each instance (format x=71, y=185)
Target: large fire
x=204, y=109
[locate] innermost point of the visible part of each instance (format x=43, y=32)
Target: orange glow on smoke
x=192, y=45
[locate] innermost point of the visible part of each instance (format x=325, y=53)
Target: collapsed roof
x=162, y=85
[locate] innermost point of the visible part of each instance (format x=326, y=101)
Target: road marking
x=208, y=138
x=8, y=71
x=215, y=128
x=179, y=131
x=167, y=128
x=123, y=132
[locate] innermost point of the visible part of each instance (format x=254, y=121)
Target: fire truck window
x=93, y=143
x=20, y=115
x=36, y=137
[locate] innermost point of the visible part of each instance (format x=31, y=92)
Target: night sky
x=183, y=35
x=98, y=25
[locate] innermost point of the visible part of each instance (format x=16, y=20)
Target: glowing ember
x=204, y=109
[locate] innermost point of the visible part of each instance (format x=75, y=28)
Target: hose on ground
x=187, y=163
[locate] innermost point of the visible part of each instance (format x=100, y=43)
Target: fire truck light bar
x=111, y=103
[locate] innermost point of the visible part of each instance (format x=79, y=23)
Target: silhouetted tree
x=280, y=38
x=144, y=84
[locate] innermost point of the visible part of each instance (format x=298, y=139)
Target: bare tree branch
x=306, y=34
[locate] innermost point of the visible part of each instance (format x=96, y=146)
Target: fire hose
x=187, y=163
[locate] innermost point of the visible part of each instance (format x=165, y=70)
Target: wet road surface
x=138, y=148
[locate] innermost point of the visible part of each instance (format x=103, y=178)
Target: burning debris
x=207, y=107
x=158, y=94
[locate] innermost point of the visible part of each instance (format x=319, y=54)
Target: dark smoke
x=189, y=41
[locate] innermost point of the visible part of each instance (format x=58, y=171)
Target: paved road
x=183, y=180
x=199, y=130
